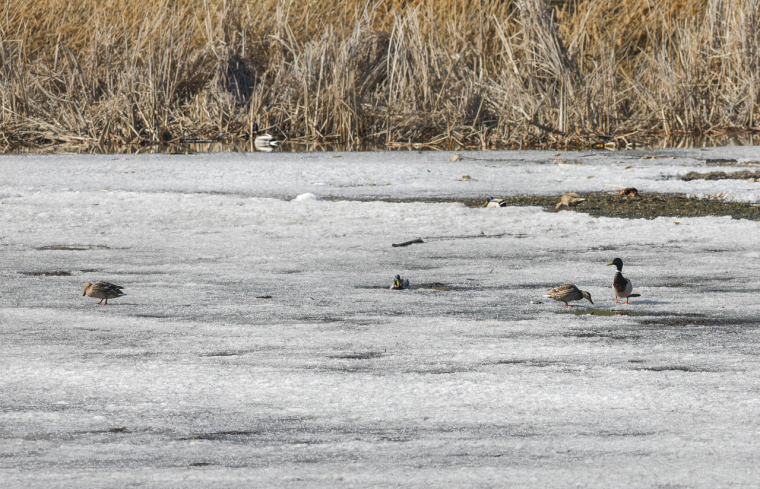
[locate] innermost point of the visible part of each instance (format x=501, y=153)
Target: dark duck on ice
x=621, y=285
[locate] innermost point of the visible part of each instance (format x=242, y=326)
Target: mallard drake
x=264, y=141
x=570, y=199
x=399, y=283
x=103, y=290
x=621, y=285
x=568, y=292
x=491, y=202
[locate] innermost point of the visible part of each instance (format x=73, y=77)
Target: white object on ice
x=305, y=197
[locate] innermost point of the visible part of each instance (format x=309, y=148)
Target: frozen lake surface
x=259, y=344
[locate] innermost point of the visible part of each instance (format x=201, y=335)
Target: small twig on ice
x=407, y=243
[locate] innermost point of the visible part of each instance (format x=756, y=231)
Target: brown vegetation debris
x=447, y=74
x=721, y=175
x=647, y=205
x=721, y=162
x=628, y=192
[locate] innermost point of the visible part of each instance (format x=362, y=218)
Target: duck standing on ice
x=621, y=285
x=103, y=290
x=568, y=292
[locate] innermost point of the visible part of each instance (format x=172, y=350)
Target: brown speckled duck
x=568, y=292
x=103, y=290
x=570, y=199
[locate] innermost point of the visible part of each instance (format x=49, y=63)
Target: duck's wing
x=565, y=292
x=107, y=288
x=621, y=284
x=563, y=288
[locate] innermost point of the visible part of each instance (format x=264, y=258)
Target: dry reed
x=452, y=73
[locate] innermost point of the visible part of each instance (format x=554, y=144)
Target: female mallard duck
x=570, y=200
x=621, y=285
x=399, y=283
x=568, y=292
x=491, y=202
x=103, y=290
x=264, y=141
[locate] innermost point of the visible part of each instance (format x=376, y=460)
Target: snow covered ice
x=259, y=343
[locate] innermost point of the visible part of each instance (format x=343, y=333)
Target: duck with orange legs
x=621, y=285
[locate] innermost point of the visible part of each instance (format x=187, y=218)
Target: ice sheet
x=259, y=344
x=398, y=174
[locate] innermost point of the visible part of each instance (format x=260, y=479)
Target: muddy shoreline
x=606, y=204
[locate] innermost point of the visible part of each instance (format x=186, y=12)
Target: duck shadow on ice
x=428, y=286
x=365, y=355
x=661, y=320
x=647, y=301
x=599, y=312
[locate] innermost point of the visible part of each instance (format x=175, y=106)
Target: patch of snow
x=307, y=197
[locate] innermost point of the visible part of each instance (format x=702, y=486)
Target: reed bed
x=450, y=74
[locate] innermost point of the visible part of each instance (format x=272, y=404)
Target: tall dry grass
x=485, y=73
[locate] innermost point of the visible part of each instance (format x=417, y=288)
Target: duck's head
x=397, y=281
x=255, y=128
x=586, y=295
x=86, y=286
x=488, y=201
x=618, y=263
